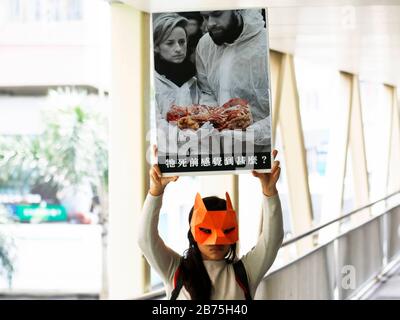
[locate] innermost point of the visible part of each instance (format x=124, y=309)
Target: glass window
x=250, y=204
x=53, y=149
x=318, y=93
x=250, y=208
x=375, y=103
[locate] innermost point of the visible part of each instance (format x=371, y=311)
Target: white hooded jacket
x=238, y=70
x=168, y=93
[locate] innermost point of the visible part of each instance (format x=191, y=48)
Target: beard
x=228, y=34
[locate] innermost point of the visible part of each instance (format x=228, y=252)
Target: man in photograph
x=231, y=62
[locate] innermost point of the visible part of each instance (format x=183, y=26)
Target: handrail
x=307, y=233
x=152, y=295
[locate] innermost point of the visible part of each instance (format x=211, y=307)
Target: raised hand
x=157, y=181
x=269, y=180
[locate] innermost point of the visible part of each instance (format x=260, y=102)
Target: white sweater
x=257, y=261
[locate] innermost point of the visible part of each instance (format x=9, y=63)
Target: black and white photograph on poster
x=212, y=91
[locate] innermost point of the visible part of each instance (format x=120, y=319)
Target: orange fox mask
x=214, y=227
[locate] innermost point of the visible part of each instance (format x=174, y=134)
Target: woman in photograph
x=175, y=81
x=210, y=269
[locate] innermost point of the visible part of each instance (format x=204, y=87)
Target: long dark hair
x=195, y=276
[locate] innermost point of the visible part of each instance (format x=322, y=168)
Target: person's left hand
x=269, y=180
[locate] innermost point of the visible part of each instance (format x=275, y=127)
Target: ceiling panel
x=359, y=36
x=362, y=39
x=189, y=5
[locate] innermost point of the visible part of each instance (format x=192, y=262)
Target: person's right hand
x=157, y=181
